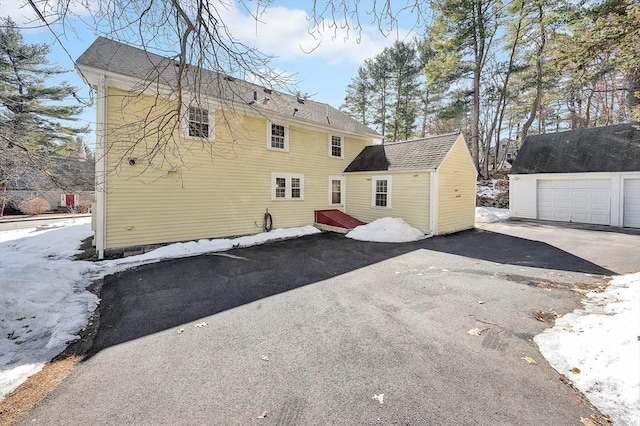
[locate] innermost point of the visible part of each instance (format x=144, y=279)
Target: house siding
x=224, y=186
x=409, y=198
x=456, y=190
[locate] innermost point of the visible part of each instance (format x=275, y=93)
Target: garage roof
x=597, y=149
x=416, y=154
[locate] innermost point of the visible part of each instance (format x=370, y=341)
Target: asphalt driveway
x=309, y=331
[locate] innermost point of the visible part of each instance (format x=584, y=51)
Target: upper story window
x=381, y=191
x=336, y=148
x=287, y=186
x=277, y=137
x=198, y=123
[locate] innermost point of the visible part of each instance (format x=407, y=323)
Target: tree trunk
x=537, y=101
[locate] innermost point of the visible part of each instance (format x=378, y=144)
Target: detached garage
x=585, y=176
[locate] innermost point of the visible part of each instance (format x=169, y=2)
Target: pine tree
x=33, y=116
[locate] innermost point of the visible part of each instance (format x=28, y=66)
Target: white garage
x=631, y=213
x=584, y=176
x=577, y=200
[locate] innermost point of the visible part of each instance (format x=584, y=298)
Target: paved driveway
x=310, y=330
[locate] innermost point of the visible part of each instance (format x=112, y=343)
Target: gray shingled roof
x=417, y=154
x=119, y=58
x=597, y=149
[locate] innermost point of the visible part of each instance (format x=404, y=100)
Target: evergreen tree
x=32, y=114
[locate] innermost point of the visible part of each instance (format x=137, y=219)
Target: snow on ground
x=488, y=189
x=597, y=349
x=44, y=302
x=386, y=230
x=491, y=214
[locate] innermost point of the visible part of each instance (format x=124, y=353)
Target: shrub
x=84, y=207
x=34, y=205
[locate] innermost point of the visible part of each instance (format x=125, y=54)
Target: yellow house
x=234, y=152
x=429, y=182
x=238, y=150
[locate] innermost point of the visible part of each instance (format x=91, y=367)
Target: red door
x=70, y=200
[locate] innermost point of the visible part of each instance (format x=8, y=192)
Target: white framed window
x=287, y=186
x=198, y=123
x=381, y=192
x=277, y=136
x=336, y=146
x=336, y=190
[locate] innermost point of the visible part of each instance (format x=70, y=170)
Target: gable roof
x=416, y=154
x=118, y=58
x=597, y=149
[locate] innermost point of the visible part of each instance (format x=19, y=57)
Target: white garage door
x=579, y=200
x=631, y=212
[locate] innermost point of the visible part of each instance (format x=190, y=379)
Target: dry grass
x=22, y=400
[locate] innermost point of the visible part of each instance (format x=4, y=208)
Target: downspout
x=101, y=166
x=433, y=203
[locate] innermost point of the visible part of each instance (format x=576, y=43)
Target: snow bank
x=488, y=189
x=386, y=230
x=44, y=302
x=44, y=299
x=491, y=214
x=597, y=349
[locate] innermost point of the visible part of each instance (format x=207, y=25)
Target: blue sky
x=321, y=67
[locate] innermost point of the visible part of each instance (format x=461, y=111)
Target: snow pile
x=44, y=300
x=491, y=214
x=488, y=188
x=597, y=349
x=386, y=230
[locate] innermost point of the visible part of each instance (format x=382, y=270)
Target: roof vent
x=295, y=110
x=229, y=78
x=300, y=100
x=255, y=95
x=267, y=90
x=265, y=101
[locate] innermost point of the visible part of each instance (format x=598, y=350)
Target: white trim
x=127, y=83
x=288, y=188
x=374, y=179
x=101, y=167
x=343, y=186
x=286, y=136
x=330, y=140
x=523, y=191
x=386, y=172
x=433, y=203
x=184, y=125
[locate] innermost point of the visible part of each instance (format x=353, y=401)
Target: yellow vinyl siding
x=456, y=190
x=409, y=198
x=216, y=189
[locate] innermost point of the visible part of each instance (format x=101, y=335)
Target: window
x=336, y=190
x=277, y=137
x=287, y=186
x=198, y=123
x=335, y=146
x=381, y=192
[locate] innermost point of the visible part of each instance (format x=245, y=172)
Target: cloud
x=289, y=34
x=24, y=16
